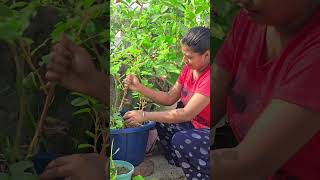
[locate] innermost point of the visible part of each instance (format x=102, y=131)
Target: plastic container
x=127, y=165
x=131, y=142
x=41, y=160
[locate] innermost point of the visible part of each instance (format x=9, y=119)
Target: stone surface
x=163, y=170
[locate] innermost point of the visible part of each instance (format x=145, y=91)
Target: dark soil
x=122, y=170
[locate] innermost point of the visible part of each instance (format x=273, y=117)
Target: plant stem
x=98, y=56
x=96, y=130
x=125, y=90
x=116, y=93
x=86, y=18
x=21, y=96
x=32, y=67
x=104, y=135
x=51, y=87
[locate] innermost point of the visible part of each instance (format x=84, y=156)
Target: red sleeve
x=204, y=86
x=183, y=74
x=301, y=84
x=225, y=57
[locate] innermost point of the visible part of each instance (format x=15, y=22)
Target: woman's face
x=195, y=60
x=276, y=12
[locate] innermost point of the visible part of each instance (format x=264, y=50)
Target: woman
x=266, y=82
x=183, y=132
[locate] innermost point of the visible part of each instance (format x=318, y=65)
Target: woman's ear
x=207, y=55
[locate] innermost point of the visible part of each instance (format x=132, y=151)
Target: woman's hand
x=133, y=83
x=72, y=67
x=133, y=118
x=77, y=167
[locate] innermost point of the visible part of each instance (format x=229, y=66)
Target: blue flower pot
x=41, y=160
x=131, y=142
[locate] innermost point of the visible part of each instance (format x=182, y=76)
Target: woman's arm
x=277, y=135
x=195, y=105
x=221, y=80
x=160, y=97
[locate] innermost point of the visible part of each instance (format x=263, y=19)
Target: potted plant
x=120, y=170
x=23, y=163
x=131, y=140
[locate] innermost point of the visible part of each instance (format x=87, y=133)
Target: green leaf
x=45, y=60
x=164, y=9
x=155, y=18
x=4, y=176
x=138, y=177
x=10, y=30
x=5, y=11
x=84, y=110
x=79, y=102
x=60, y=27
x=30, y=81
x=90, y=28
x=20, y=4
x=90, y=134
x=97, y=10
x=20, y=167
x=23, y=176
x=84, y=146
x=87, y=3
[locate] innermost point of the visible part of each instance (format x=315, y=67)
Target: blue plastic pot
x=127, y=165
x=41, y=160
x=131, y=142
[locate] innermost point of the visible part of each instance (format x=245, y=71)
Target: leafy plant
x=138, y=178
x=81, y=21
x=145, y=40
x=18, y=171
x=224, y=11
x=116, y=120
x=113, y=168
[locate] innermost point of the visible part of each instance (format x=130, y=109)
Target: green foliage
x=19, y=171
x=113, y=169
x=116, y=120
x=14, y=19
x=221, y=22
x=146, y=40
x=138, y=178
x=82, y=21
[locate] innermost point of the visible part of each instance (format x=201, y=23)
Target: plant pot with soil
x=131, y=142
x=124, y=170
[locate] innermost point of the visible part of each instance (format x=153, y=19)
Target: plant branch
x=96, y=130
x=49, y=97
x=21, y=95
x=125, y=90
x=40, y=46
x=32, y=67
x=98, y=56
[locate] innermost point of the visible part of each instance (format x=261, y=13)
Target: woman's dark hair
x=198, y=39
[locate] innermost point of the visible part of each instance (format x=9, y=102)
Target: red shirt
x=202, y=86
x=292, y=77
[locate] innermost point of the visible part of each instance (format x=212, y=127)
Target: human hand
x=132, y=82
x=77, y=167
x=134, y=118
x=72, y=67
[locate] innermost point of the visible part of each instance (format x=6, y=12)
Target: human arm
x=71, y=67
x=275, y=137
x=195, y=105
x=160, y=97
x=78, y=166
x=221, y=80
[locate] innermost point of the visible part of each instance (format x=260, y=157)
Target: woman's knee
x=179, y=140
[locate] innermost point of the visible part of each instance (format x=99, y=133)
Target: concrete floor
x=163, y=170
